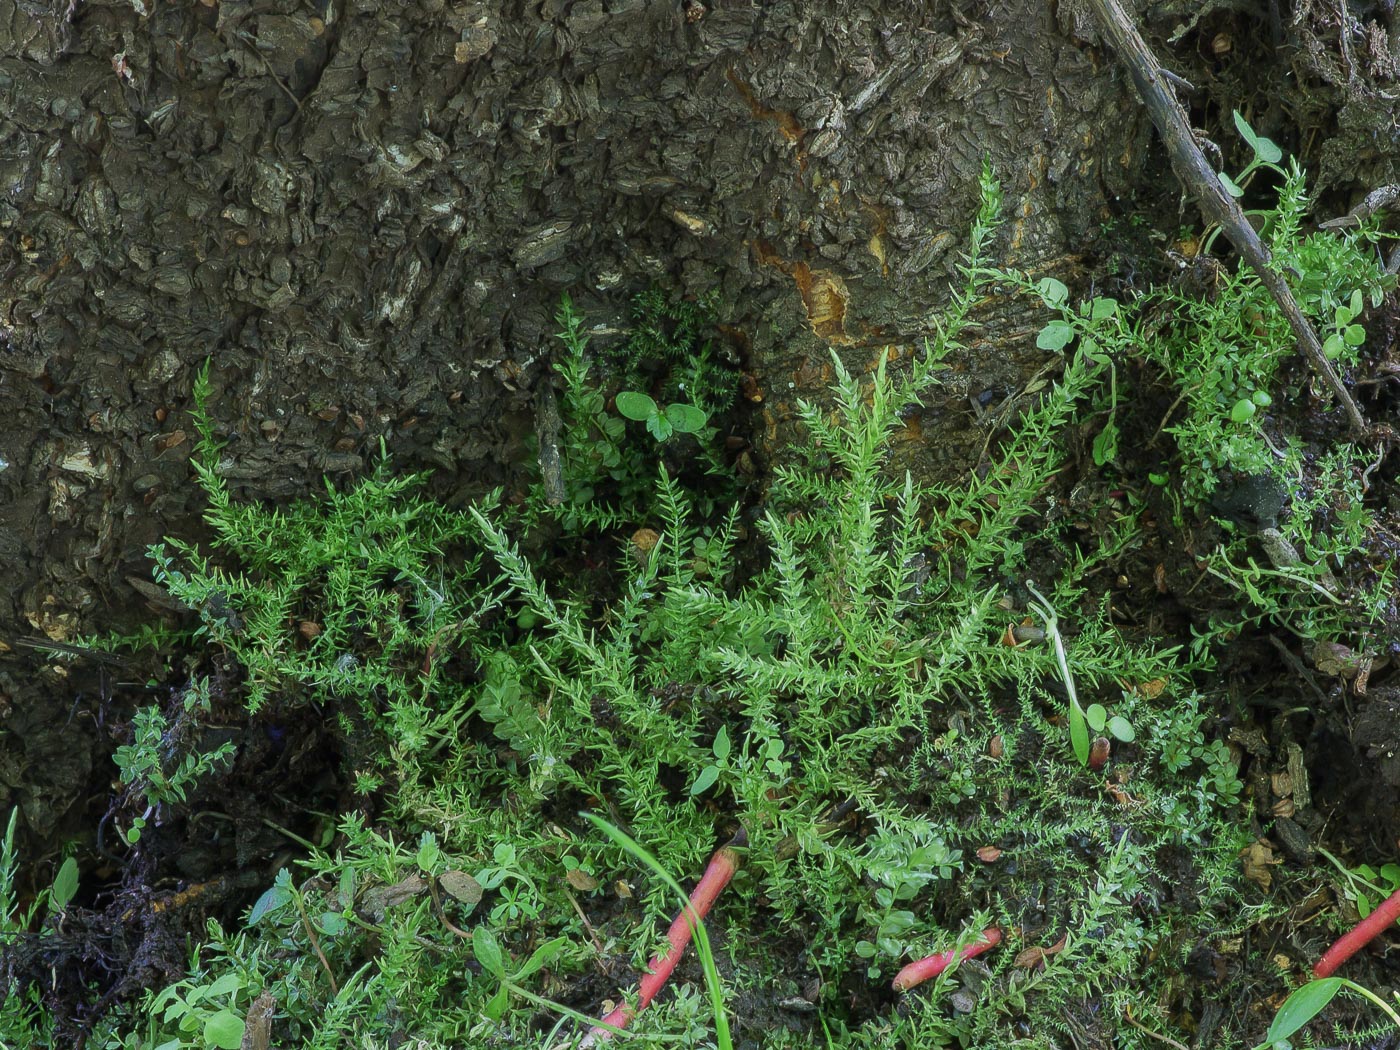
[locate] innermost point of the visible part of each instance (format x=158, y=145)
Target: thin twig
x=1155, y=1035
x=315, y=942
x=442, y=912
x=1204, y=183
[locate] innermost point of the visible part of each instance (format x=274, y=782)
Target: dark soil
x=365, y=215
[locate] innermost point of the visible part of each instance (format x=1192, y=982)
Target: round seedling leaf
x=1229, y=184
x=224, y=1030
x=1244, y=410
x=1101, y=308
x=635, y=405
x=1268, y=151
x=1097, y=717
x=1052, y=293
x=226, y=985
x=1055, y=336
x=1119, y=727
x=686, y=419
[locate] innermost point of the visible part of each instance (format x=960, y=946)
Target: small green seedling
x=206, y=1015
x=493, y=960
x=707, y=776
x=65, y=886
x=144, y=762
x=1098, y=325
x=1099, y=719
x=661, y=422
x=1078, y=719
x=1364, y=885
x=1266, y=155
x=1345, y=334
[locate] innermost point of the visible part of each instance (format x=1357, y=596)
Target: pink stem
x=718, y=872
x=1360, y=935
x=931, y=966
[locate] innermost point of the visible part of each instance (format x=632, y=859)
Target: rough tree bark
x=364, y=213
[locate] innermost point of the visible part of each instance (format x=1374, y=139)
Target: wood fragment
x=548, y=427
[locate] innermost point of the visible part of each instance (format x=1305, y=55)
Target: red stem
x=931, y=966
x=717, y=874
x=1360, y=935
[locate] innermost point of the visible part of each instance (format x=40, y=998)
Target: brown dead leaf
x=1033, y=958
x=988, y=854
x=461, y=887
x=377, y=900
x=1257, y=858
x=1149, y=690
x=581, y=880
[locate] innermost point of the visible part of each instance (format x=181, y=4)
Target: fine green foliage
x=335, y=599
x=1292, y=515
x=669, y=350
x=147, y=766
x=600, y=484
x=842, y=690
x=24, y=1022
x=1226, y=352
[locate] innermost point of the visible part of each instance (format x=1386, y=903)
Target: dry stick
x=1360, y=935
x=315, y=942
x=1155, y=1035
x=1201, y=179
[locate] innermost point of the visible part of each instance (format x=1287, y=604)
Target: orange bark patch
x=787, y=123
x=824, y=295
